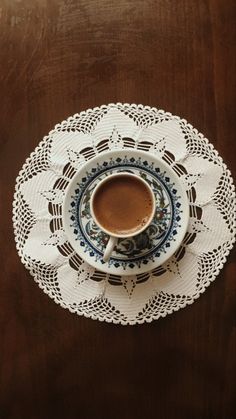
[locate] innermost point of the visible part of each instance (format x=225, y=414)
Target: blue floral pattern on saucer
x=136, y=251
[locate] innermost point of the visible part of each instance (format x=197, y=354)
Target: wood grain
x=58, y=57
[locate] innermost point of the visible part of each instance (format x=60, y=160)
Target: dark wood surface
x=58, y=57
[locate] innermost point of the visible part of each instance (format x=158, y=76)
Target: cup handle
x=109, y=249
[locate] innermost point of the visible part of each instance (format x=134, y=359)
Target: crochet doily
x=51, y=260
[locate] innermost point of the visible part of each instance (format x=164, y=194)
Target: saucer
x=145, y=251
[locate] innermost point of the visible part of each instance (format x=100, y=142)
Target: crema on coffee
x=123, y=204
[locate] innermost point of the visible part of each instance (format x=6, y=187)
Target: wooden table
x=58, y=57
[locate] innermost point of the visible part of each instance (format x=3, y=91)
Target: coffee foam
x=123, y=205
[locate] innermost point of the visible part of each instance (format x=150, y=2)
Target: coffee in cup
x=122, y=205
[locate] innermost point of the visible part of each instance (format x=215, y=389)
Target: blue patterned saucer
x=149, y=249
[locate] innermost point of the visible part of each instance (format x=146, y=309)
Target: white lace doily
x=63, y=275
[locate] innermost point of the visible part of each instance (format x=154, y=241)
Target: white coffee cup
x=114, y=237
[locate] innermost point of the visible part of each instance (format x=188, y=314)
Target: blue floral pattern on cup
x=133, y=251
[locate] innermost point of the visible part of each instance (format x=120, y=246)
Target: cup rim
x=106, y=180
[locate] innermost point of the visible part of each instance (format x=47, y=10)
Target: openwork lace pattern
x=62, y=274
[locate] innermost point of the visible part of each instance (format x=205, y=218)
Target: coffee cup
x=122, y=205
